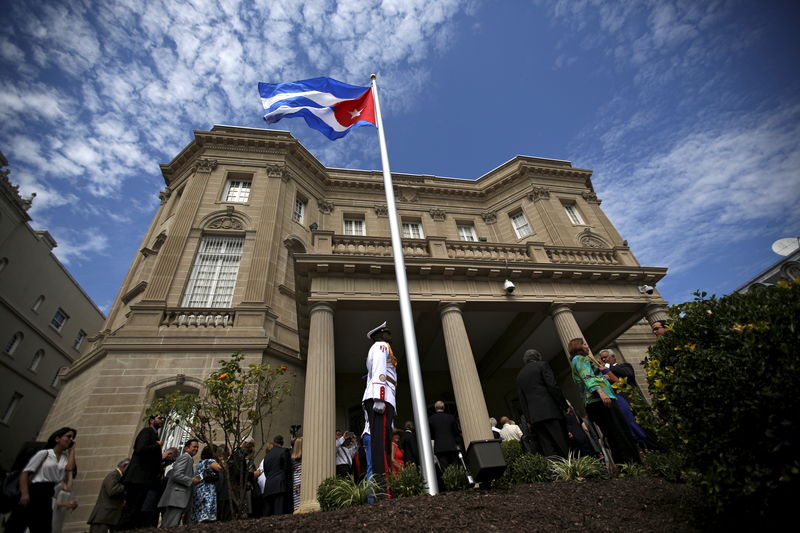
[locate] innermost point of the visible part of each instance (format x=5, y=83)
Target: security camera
x=509, y=287
x=646, y=289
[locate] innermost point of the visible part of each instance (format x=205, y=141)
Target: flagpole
x=409, y=336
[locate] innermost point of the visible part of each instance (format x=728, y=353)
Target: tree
x=237, y=402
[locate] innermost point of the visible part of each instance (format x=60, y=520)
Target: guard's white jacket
x=381, y=375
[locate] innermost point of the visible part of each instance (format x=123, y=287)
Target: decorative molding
x=325, y=206
x=590, y=196
x=164, y=195
x=588, y=239
x=277, y=171
x=205, y=165
x=438, y=214
x=159, y=242
x=382, y=210
x=128, y=296
x=407, y=194
x=490, y=217
x=226, y=223
x=539, y=193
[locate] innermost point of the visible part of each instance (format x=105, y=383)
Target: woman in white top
x=36, y=484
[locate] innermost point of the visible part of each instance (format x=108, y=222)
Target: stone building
x=45, y=318
x=258, y=247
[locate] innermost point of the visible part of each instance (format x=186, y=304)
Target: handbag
x=10, y=494
x=210, y=475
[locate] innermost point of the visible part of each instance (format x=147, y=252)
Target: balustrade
x=198, y=318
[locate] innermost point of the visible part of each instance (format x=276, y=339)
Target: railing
x=352, y=245
x=581, y=256
x=198, y=318
x=466, y=250
x=488, y=251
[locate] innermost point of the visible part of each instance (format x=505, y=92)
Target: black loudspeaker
x=485, y=460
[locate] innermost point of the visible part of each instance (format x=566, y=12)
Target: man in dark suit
x=178, y=494
x=408, y=443
x=543, y=404
x=142, y=475
x=277, y=473
x=108, y=508
x=444, y=433
x=620, y=370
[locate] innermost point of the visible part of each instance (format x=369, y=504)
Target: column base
x=308, y=507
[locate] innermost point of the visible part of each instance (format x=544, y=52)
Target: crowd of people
x=166, y=487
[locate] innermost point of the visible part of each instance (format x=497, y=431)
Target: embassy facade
x=259, y=248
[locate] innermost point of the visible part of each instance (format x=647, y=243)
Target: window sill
x=57, y=330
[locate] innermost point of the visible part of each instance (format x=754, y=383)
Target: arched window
x=14, y=343
x=38, y=303
x=37, y=358
x=3, y=263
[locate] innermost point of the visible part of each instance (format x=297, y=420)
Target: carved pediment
x=588, y=239
x=226, y=222
x=277, y=171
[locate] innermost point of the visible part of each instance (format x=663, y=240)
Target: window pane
x=79, y=340
x=238, y=191
x=59, y=319
x=37, y=358
x=520, y=224
x=466, y=232
x=299, y=210
x=412, y=230
x=214, y=273
x=353, y=226
x=573, y=214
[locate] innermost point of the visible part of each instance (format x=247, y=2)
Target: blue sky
x=688, y=112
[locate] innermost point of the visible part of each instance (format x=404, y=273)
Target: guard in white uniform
x=379, y=404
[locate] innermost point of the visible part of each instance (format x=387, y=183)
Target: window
x=14, y=343
x=573, y=214
x=37, y=358
x=466, y=232
x=79, y=340
x=299, y=211
x=11, y=407
x=214, y=272
x=237, y=190
x=412, y=230
x=520, y=223
x=3, y=263
x=354, y=226
x=59, y=319
x=38, y=303
x=56, y=380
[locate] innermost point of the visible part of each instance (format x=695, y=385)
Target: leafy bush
x=633, y=470
x=511, y=450
x=325, y=494
x=455, y=477
x=724, y=379
x=530, y=468
x=577, y=468
x=670, y=465
x=407, y=482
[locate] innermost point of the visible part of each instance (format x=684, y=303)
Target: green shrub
x=633, y=470
x=530, y=468
x=325, y=494
x=724, y=380
x=407, y=482
x=669, y=465
x=511, y=450
x=455, y=477
x=577, y=468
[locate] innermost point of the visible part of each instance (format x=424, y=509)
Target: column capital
x=556, y=308
x=322, y=305
x=451, y=305
x=655, y=312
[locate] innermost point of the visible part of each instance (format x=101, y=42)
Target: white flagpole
x=409, y=336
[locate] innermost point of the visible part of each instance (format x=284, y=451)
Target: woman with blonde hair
x=600, y=402
x=297, y=470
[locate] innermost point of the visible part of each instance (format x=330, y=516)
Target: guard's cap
x=380, y=328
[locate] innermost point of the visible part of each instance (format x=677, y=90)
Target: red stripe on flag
x=348, y=112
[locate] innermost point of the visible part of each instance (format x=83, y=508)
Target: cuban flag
x=330, y=106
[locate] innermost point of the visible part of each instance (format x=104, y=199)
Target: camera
x=646, y=289
x=509, y=287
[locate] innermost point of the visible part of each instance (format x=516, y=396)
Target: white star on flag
x=355, y=113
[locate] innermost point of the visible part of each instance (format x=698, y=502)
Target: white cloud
x=79, y=246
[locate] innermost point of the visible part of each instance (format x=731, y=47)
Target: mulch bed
x=626, y=505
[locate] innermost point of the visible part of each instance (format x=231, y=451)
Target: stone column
x=566, y=326
x=464, y=373
x=655, y=312
x=319, y=409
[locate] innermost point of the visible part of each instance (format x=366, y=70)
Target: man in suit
x=277, y=472
x=408, y=443
x=620, y=370
x=142, y=475
x=543, y=405
x=444, y=433
x=108, y=508
x=178, y=494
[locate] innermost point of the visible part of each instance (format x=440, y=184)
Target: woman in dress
x=297, y=470
x=37, y=483
x=204, y=503
x=398, y=462
x=600, y=402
